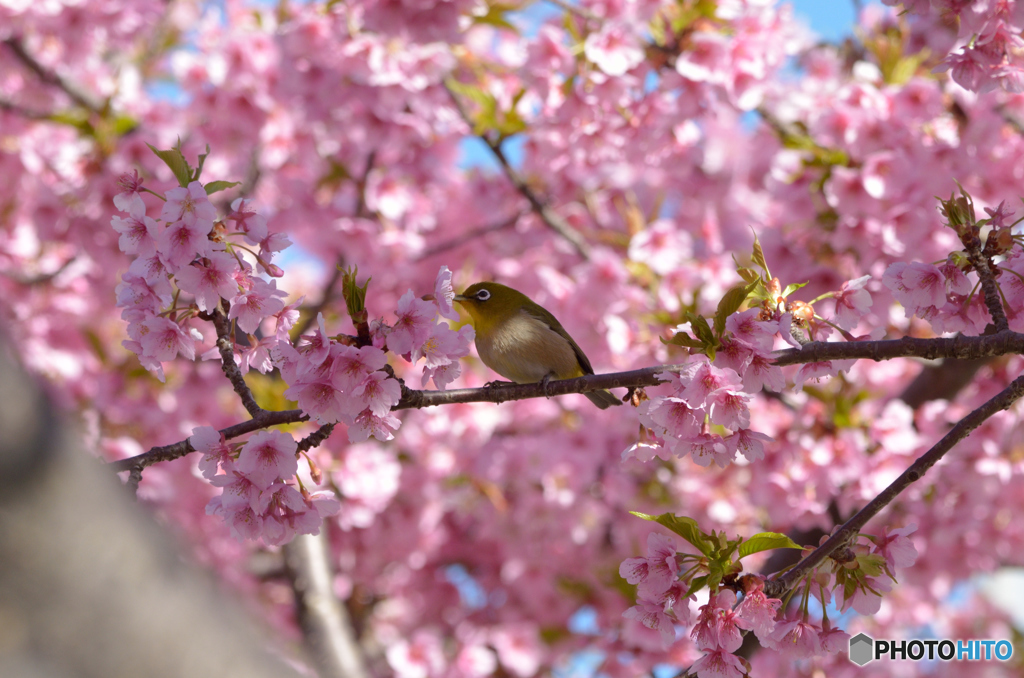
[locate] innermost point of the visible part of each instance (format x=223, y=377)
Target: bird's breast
x=524, y=349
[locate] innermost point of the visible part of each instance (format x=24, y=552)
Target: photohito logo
x=864, y=648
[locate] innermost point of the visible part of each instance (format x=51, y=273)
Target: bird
x=523, y=341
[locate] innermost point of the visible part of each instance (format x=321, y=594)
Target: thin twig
x=547, y=215
x=575, y=9
x=1002, y=401
x=49, y=77
x=18, y=109
x=470, y=235
x=327, y=296
x=315, y=438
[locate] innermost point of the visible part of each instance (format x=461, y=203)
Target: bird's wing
x=545, y=317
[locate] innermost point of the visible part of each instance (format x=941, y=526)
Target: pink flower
x=719, y=664
x=138, y=232
x=420, y=658
x=815, y=371
x=381, y=427
x=833, y=640
x=673, y=419
x=444, y=294
x=729, y=409
x=706, y=380
x=445, y=373
x=613, y=48
x=379, y=393
x=251, y=307
x=763, y=373
x=216, y=452
x=852, y=302
x=797, y=637
x=655, y=573
x=351, y=365
x=759, y=611
x=163, y=340
x=182, y=242
x=749, y=443
x=268, y=456
x=191, y=206
x=414, y=325
x=747, y=329
x=896, y=547
x=518, y=647
x=917, y=286
x=652, y=614
x=253, y=225
x=211, y=281
x=662, y=246
x=129, y=200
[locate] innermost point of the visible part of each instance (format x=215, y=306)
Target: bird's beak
x=459, y=297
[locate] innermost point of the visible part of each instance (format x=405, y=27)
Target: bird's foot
x=497, y=382
x=544, y=384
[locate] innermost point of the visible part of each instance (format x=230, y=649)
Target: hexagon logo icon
x=862, y=649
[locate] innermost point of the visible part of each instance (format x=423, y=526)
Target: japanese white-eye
x=522, y=341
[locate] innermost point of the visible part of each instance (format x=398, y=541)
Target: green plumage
x=523, y=341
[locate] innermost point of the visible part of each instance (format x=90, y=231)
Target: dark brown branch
x=226, y=347
x=316, y=438
x=180, y=449
x=27, y=113
x=504, y=391
x=959, y=347
x=47, y=76
x=990, y=291
x=547, y=215
x=1002, y=401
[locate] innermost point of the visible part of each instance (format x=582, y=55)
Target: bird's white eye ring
x=483, y=295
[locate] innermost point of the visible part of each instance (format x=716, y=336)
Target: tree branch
x=328, y=632
x=180, y=449
x=503, y=391
x=471, y=234
x=226, y=347
x=959, y=347
x=49, y=77
x=1002, y=401
x=547, y=215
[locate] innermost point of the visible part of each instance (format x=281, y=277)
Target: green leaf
x=495, y=16
x=758, y=257
x=176, y=161
x=871, y=564
x=682, y=339
x=793, y=287
x=766, y=541
x=701, y=328
x=696, y=584
x=202, y=161
x=215, y=186
x=748, y=274
x=731, y=303
x=685, y=527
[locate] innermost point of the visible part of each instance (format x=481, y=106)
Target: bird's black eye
x=483, y=295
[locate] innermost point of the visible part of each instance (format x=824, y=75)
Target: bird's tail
x=603, y=399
